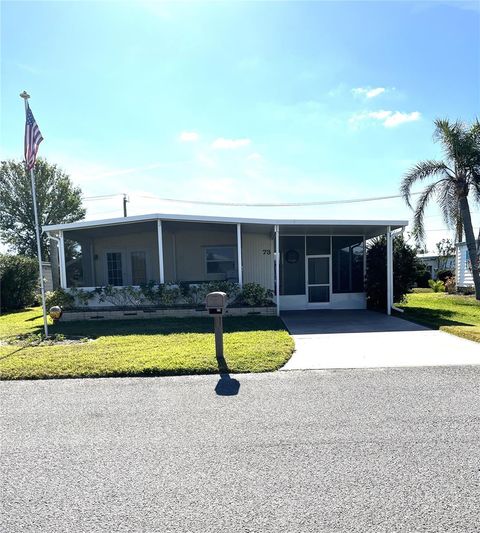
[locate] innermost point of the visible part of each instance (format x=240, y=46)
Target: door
x=318, y=279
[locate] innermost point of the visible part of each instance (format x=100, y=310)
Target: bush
x=59, y=297
x=121, y=296
x=405, y=269
x=254, y=295
x=230, y=288
x=18, y=281
x=443, y=275
x=422, y=278
x=437, y=285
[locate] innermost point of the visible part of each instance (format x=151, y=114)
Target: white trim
x=174, y=254
x=61, y=257
x=239, y=255
x=389, y=271
x=395, y=224
x=277, y=267
x=160, y=252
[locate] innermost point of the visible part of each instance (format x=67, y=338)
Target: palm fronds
x=419, y=172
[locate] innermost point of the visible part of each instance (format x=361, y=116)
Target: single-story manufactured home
x=307, y=264
x=435, y=263
x=463, y=268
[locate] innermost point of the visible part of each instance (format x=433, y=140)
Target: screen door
x=318, y=279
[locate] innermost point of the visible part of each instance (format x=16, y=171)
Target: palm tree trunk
x=471, y=243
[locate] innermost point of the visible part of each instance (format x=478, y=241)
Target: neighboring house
x=433, y=263
x=321, y=262
x=463, y=267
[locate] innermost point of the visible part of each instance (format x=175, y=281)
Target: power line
x=246, y=204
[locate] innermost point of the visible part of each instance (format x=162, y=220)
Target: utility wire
x=245, y=204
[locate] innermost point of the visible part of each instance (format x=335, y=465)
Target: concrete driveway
x=366, y=339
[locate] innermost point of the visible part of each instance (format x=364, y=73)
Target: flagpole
x=25, y=97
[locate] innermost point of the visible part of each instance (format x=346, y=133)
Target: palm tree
x=453, y=180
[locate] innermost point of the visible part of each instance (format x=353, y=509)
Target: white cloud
x=189, y=136
x=389, y=119
x=399, y=118
x=229, y=144
x=254, y=157
x=368, y=92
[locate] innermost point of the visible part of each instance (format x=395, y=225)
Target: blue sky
x=239, y=102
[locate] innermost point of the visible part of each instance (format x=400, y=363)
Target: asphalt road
x=383, y=450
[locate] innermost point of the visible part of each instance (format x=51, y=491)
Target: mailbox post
x=216, y=302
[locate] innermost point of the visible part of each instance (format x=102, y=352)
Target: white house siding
x=184, y=249
x=257, y=258
x=463, y=273
x=131, y=242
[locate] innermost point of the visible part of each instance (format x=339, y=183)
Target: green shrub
x=437, y=285
x=59, y=297
x=405, y=270
x=19, y=281
x=80, y=296
x=121, y=296
x=254, y=295
x=422, y=278
x=230, y=288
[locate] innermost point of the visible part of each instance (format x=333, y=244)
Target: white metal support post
x=389, y=271
x=277, y=267
x=239, y=255
x=61, y=260
x=160, y=251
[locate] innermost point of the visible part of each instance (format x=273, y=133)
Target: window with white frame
x=114, y=268
x=221, y=260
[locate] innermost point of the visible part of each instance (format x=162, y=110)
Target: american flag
x=33, y=138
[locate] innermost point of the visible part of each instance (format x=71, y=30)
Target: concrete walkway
x=365, y=339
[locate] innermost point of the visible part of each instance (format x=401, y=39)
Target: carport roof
x=368, y=228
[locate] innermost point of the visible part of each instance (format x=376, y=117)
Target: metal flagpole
x=25, y=97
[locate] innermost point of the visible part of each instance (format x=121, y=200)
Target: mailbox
x=216, y=302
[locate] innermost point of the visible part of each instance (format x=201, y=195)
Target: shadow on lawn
x=161, y=326
x=434, y=318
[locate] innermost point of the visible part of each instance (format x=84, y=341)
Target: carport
x=329, y=339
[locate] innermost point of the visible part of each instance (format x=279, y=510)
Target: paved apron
x=366, y=339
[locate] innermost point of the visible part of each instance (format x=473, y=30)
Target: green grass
x=165, y=346
x=459, y=315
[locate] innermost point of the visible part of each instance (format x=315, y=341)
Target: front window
x=139, y=268
x=114, y=268
x=221, y=260
x=347, y=264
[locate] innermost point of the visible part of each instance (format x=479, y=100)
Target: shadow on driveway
x=339, y=321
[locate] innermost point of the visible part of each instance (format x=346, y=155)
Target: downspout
x=393, y=306
x=57, y=274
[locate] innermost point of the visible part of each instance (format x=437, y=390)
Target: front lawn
x=165, y=346
x=455, y=314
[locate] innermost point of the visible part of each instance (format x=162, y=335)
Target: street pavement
x=383, y=450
